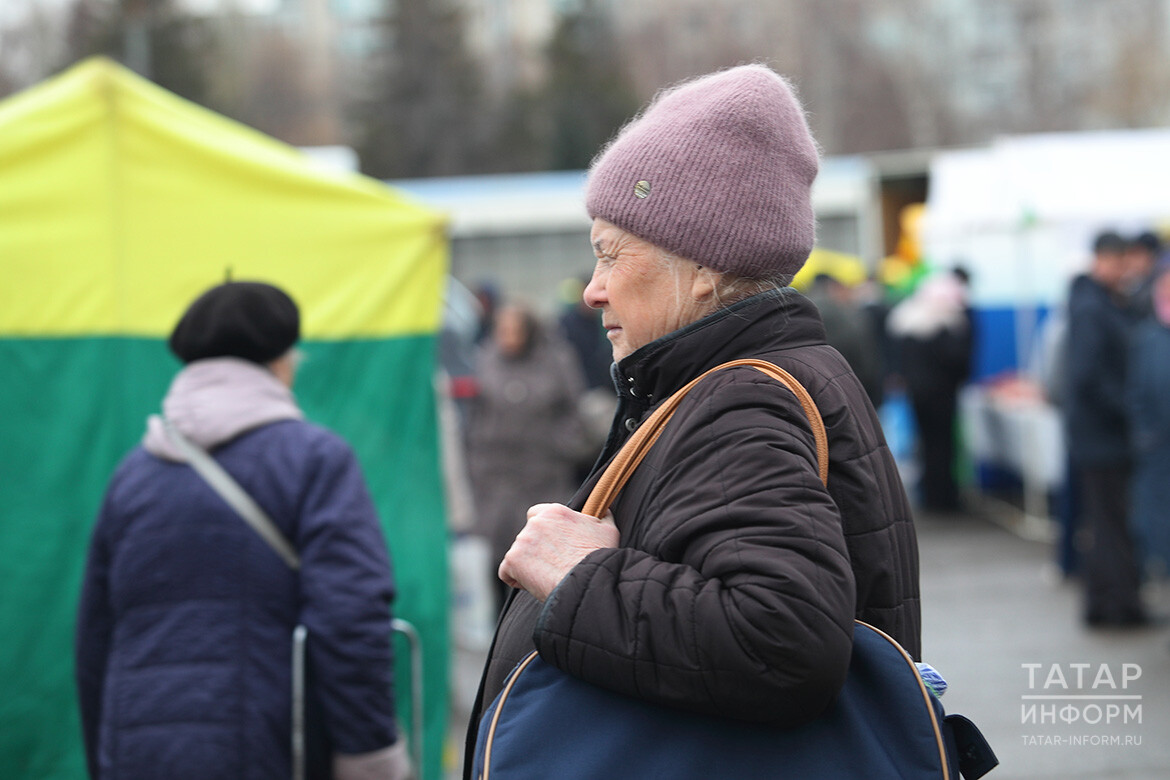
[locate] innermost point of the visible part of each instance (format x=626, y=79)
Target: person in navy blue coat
x=183, y=646
x=1097, y=431
x=1148, y=405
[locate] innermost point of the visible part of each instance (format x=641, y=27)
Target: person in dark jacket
x=1141, y=260
x=184, y=634
x=726, y=578
x=524, y=433
x=1148, y=405
x=1100, y=325
x=934, y=335
x=580, y=326
x=849, y=330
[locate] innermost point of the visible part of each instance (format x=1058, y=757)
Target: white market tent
x=1021, y=213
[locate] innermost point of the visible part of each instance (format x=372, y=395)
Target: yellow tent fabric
x=100, y=170
x=119, y=203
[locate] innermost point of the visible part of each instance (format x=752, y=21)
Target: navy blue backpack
x=885, y=723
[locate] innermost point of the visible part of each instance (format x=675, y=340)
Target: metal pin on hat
x=642, y=189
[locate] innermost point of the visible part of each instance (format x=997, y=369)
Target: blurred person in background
x=1051, y=369
x=933, y=331
x=963, y=276
x=487, y=295
x=186, y=616
x=1148, y=401
x=581, y=327
x=1100, y=326
x=872, y=298
x=1141, y=257
x=458, y=337
x=848, y=329
x=524, y=434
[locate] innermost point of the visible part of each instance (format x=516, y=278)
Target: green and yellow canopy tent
x=119, y=203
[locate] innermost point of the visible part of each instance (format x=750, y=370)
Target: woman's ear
x=704, y=283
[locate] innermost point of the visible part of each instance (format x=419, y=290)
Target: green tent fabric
x=119, y=203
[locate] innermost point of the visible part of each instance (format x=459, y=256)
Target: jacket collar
x=770, y=321
x=759, y=326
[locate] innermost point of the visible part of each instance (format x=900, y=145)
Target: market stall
x=119, y=203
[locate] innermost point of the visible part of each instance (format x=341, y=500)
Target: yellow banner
x=120, y=202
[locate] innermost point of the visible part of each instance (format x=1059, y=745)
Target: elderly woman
x=727, y=577
x=186, y=616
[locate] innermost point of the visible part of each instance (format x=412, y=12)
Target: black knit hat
x=249, y=320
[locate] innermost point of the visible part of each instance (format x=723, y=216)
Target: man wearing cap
x=186, y=617
x=727, y=576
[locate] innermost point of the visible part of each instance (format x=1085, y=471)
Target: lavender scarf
x=215, y=400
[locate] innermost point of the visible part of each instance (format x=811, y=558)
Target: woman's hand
x=554, y=540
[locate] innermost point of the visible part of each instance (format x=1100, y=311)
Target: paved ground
x=992, y=603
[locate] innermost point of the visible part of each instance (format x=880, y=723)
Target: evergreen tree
x=519, y=140
x=422, y=114
x=584, y=98
x=588, y=93
x=156, y=38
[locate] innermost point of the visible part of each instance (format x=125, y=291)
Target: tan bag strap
x=636, y=447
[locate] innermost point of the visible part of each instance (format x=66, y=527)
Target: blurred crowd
x=1108, y=371
x=534, y=399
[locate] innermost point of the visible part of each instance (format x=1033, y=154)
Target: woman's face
x=642, y=296
x=511, y=331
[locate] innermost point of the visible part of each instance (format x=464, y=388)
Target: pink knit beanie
x=718, y=170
